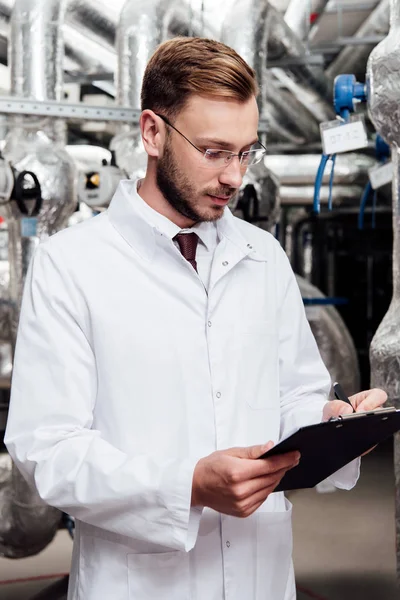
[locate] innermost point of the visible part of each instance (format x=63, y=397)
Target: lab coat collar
x=129, y=220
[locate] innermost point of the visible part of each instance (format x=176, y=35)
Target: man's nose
x=232, y=175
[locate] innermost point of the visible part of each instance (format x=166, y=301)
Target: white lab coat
x=127, y=372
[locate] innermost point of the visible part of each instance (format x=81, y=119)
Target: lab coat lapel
x=232, y=249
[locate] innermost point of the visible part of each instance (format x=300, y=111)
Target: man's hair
x=183, y=66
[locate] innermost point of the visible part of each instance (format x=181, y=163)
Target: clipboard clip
x=370, y=413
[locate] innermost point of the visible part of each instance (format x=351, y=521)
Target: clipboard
x=329, y=446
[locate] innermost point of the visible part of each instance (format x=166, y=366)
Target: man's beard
x=180, y=193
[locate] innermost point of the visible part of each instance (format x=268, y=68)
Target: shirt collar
x=139, y=224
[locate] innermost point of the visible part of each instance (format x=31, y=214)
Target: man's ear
x=153, y=133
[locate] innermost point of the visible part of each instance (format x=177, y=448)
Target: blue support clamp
x=347, y=92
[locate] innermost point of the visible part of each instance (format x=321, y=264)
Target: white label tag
x=381, y=175
x=340, y=137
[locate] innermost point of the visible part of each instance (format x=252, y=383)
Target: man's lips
x=220, y=199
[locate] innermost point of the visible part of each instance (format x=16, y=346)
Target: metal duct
x=333, y=339
x=27, y=524
x=258, y=200
x=246, y=29
x=384, y=101
x=40, y=22
x=88, y=15
x=140, y=31
x=250, y=39
x=384, y=108
x=352, y=59
x=304, y=195
x=298, y=14
x=283, y=43
x=34, y=145
x=301, y=169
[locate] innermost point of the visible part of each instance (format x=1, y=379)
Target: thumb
x=340, y=408
x=250, y=452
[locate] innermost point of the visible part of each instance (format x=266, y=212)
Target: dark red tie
x=188, y=244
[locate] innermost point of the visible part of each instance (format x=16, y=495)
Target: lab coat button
x=218, y=394
x=209, y=323
x=225, y=263
x=228, y=544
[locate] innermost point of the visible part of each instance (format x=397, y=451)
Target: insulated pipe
x=384, y=102
x=36, y=50
x=298, y=13
x=38, y=73
x=253, y=22
x=300, y=169
x=139, y=33
x=352, y=58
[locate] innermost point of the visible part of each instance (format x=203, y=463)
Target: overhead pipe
x=352, y=59
x=37, y=145
x=300, y=169
x=298, y=15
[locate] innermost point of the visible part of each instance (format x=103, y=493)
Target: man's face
x=192, y=188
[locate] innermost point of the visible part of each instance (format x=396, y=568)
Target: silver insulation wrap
x=258, y=32
x=352, y=58
x=36, y=145
x=333, y=339
x=258, y=200
x=383, y=81
x=385, y=346
x=245, y=29
x=304, y=194
x=139, y=33
x=40, y=23
x=301, y=169
x=27, y=525
x=384, y=108
x=297, y=15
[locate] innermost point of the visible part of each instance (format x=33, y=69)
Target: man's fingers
x=254, y=501
x=369, y=400
x=250, y=452
x=248, y=488
x=268, y=466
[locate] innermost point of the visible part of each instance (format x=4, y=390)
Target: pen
x=340, y=395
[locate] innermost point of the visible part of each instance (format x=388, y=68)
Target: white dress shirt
x=206, y=232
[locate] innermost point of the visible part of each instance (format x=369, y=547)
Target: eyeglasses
x=218, y=159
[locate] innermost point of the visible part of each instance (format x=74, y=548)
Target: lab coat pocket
x=258, y=364
x=160, y=576
x=274, y=552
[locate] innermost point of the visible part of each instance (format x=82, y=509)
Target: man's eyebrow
x=213, y=142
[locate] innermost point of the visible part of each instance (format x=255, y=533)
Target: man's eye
x=214, y=154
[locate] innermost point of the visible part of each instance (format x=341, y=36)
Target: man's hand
x=362, y=402
x=235, y=482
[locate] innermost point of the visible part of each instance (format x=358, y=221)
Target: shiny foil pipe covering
x=27, y=525
x=333, y=339
x=352, y=58
x=384, y=108
x=139, y=33
x=384, y=101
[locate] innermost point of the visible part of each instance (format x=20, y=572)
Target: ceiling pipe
x=352, y=59
x=298, y=15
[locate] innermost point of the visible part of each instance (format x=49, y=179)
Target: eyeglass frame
x=228, y=152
